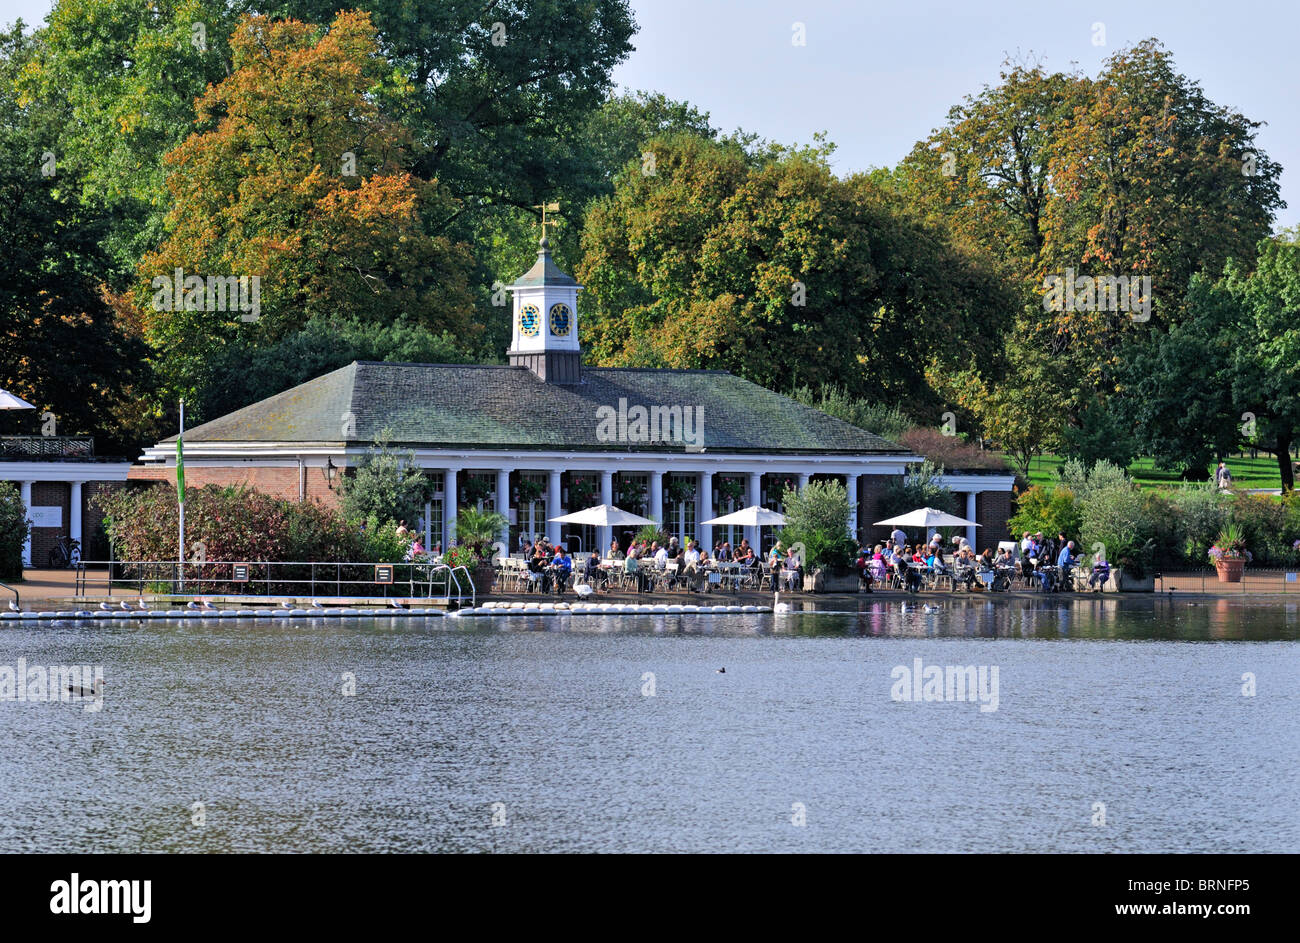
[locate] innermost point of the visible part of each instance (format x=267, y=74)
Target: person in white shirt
x=692, y=570
x=897, y=537
x=661, y=557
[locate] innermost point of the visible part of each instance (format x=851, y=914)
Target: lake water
x=555, y=728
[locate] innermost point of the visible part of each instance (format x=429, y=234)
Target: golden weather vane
x=547, y=208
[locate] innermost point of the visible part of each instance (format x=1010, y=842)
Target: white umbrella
x=927, y=518
x=752, y=516
x=9, y=401
x=603, y=515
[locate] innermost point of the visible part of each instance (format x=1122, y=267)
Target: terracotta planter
x=1230, y=570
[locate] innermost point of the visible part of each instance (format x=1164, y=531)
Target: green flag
x=180, y=460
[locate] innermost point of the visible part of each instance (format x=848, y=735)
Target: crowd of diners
x=1037, y=559
x=640, y=562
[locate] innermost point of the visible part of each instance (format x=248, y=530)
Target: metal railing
x=1206, y=580
x=279, y=578
x=17, y=602
x=47, y=446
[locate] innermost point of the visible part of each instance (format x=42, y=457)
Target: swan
x=929, y=608
x=777, y=605
x=397, y=605
x=583, y=590
x=96, y=690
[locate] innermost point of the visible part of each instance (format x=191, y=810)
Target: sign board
x=44, y=516
x=240, y=573
x=383, y=574
x=1290, y=577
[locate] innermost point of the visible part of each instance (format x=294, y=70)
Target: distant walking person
x=1223, y=477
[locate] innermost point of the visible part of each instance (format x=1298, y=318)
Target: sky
x=877, y=77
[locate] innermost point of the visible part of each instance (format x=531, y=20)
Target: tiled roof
x=493, y=407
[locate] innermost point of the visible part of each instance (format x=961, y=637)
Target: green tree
x=123, y=77
x=62, y=347
x=386, y=486
x=818, y=518
x=919, y=488
x=14, y=528
x=767, y=265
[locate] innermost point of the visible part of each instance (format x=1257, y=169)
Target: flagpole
x=180, y=495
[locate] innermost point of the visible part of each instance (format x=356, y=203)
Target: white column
x=503, y=508
x=25, y=488
x=970, y=516
x=74, y=512
x=449, y=489
x=853, y=505
x=656, y=497
x=428, y=526
x=704, y=510
x=606, y=536
x=755, y=497
x=803, y=480
x=553, y=507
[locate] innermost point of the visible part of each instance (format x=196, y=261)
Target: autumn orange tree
x=298, y=173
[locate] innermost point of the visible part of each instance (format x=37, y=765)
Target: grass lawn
x=1246, y=472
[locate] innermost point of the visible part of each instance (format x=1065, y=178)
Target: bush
x=950, y=451
x=1130, y=526
x=1263, y=521
x=818, y=518
x=237, y=524
x=1199, y=513
x=1053, y=512
x=386, y=484
x=871, y=414
x=14, y=529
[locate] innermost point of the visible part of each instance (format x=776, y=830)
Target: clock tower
x=544, y=337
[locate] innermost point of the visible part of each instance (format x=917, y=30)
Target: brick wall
x=48, y=494
x=279, y=482
x=871, y=490
x=992, y=508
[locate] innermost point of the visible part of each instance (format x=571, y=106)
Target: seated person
x=536, y=570
x=863, y=566
x=561, y=568
x=1100, y=575
x=592, y=574
x=632, y=567
x=693, y=574
x=1066, y=562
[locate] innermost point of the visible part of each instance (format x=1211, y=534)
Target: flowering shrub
x=950, y=451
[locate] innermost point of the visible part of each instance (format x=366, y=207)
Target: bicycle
x=66, y=554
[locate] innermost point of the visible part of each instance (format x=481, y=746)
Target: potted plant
x=477, y=532
x=1229, y=554
x=817, y=527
